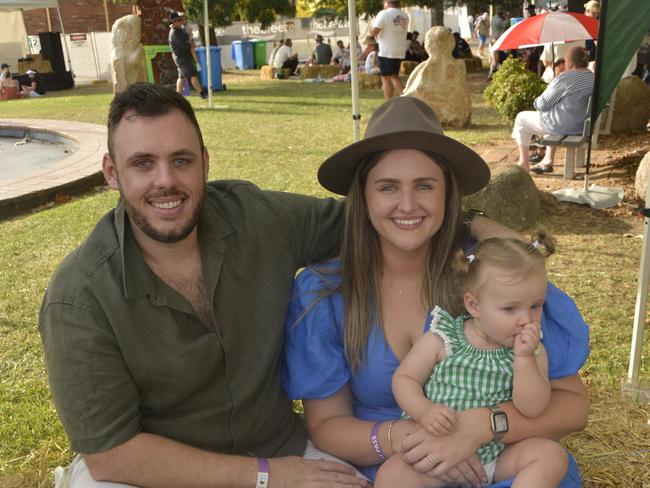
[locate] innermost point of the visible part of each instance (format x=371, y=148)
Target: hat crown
x=402, y=114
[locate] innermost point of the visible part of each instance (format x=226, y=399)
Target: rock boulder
x=642, y=176
x=631, y=106
x=510, y=198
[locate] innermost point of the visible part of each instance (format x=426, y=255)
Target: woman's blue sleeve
x=566, y=335
x=314, y=359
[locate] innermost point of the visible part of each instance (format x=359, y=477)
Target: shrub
x=513, y=89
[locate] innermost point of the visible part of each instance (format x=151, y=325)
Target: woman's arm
x=334, y=429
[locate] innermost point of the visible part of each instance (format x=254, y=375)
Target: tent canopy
x=27, y=4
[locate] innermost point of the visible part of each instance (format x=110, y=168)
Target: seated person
x=540, y=151
x=322, y=53
x=461, y=49
x=561, y=109
x=284, y=58
x=370, y=43
x=412, y=50
x=36, y=88
x=371, y=66
x=9, y=87
x=342, y=57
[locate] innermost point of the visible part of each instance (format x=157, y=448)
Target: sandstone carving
x=440, y=80
x=642, y=177
x=127, y=53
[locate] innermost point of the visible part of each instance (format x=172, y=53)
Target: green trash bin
x=259, y=53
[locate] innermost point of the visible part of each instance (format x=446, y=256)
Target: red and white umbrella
x=547, y=28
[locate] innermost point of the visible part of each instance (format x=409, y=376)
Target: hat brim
x=471, y=171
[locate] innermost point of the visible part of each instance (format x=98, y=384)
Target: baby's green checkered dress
x=469, y=377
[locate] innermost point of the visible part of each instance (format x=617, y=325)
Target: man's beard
x=150, y=231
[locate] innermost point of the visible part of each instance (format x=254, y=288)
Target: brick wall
x=78, y=16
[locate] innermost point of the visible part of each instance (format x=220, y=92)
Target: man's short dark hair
x=148, y=100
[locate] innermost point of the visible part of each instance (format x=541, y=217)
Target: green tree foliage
x=513, y=89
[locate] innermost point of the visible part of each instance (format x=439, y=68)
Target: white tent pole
x=641, y=303
x=354, y=71
x=208, y=57
x=65, y=43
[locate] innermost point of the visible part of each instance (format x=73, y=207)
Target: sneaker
x=542, y=168
x=204, y=94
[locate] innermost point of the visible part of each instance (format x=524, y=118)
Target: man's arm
x=150, y=460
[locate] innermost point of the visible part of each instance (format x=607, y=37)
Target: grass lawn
x=276, y=134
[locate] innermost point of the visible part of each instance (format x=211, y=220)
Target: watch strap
x=262, y=473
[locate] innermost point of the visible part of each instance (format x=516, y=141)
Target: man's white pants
x=526, y=125
x=77, y=475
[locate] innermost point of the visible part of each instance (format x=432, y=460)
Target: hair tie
x=471, y=258
x=535, y=244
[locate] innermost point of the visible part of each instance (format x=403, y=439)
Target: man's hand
x=527, y=340
x=439, y=419
x=295, y=472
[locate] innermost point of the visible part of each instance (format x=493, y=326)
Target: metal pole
x=208, y=57
x=641, y=303
x=65, y=43
x=354, y=71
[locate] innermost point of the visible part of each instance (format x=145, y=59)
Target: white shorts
x=77, y=475
x=489, y=469
x=526, y=125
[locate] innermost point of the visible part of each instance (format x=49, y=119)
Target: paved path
x=72, y=174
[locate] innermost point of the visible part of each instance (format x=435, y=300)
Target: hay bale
x=316, y=70
x=269, y=72
x=510, y=198
x=367, y=81
x=407, y=67
x=473, y=64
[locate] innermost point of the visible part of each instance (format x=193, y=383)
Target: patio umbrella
x=547, y=28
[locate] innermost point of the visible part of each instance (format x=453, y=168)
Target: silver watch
x=498, y=423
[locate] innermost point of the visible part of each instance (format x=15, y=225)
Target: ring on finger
x=433, y=463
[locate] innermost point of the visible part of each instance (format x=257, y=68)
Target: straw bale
x=324, y=70
x=407, y=67
x=367, y=81
x=614, y=449
x=268, y=72
x=473, y=64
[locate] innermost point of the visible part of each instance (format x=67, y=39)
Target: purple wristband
x=262, y=473
x=374, y=442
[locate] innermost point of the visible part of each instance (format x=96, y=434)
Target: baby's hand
x=527, y=341
x=439, y=420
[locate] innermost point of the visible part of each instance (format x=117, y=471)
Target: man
x=592, y=9
x=163, y=331
x=561, y=109
x=498, y=26
x=284, y=58
x=390, y=28
x=184, y=55
x=322, y=53
x=36, y=87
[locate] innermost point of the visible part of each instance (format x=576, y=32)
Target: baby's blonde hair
x=513, y=255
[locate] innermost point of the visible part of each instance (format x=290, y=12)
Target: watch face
x=500, y=422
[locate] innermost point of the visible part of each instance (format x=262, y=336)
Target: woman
x=351, y=322
x=483, y=32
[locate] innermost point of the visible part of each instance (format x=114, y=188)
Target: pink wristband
x=262, y=473
x=374, y=442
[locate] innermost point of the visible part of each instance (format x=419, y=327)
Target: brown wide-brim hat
x=405, y=123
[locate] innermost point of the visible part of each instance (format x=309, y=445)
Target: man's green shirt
x=126, y=353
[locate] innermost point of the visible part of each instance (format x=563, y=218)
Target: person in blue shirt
x=351, y=321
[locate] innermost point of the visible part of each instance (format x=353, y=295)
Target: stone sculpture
x=440, y=80
x=127, y=53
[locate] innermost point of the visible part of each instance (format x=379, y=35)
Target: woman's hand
x=452, y=455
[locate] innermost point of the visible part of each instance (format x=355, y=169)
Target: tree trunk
x=437, y=13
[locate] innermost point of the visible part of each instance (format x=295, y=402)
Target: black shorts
x=186, y=69
x=389, y=66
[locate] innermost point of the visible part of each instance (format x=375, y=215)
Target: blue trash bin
x=215, y=61
x=242, y=54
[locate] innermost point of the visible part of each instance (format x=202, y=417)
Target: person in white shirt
x=284, y=58
x=390, y=28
